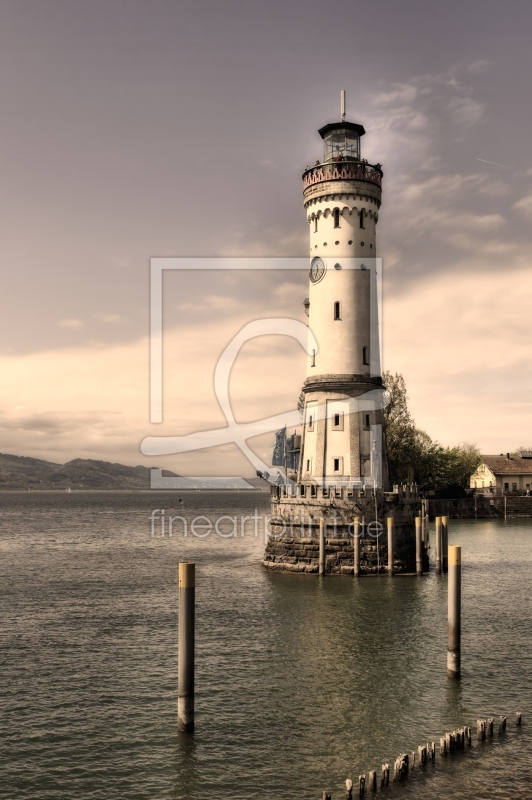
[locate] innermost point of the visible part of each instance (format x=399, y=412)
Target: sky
x=137, y=129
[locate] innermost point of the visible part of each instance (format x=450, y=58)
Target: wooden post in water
x=518, y=718
x=437, y=522
x=185, y=667
x=321, y=567
x=385, y=775
x=372, y=780
x=454, y=589
x=356, y=547
x=390, y=545
x=444, y=544
x=349, y=789
x=419, y=549
x=502, y=725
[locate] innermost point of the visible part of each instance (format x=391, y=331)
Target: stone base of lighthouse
x=293, y=545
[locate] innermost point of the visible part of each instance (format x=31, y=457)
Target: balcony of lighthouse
x=343, y=170
x=295, y=504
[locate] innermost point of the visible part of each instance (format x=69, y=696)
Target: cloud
x=108, y=317
x=524, y=206
x=71, y=323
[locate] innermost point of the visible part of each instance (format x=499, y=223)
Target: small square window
x=336, y=464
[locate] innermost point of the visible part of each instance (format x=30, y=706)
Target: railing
x=342, y=170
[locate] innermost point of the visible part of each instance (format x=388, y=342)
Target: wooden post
x=185, y=674
x=438, y=545
x=321, y=568
x=504, y=506
x=489, y=726
x=419, y=557
x=361, y=785
x=454, y=591
x=443, y=746
x=445, y=544
x=348, y=790
x=502, y=725
x=372, y=780
x=385, y=775
x=518, y=718
x=390, y=545
x=356, y=547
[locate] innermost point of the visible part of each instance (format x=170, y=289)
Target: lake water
x=301, y=682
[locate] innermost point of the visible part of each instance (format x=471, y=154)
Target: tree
x=413, y=457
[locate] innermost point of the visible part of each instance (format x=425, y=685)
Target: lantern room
x=341, y=141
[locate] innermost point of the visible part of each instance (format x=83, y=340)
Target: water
x=301, y=682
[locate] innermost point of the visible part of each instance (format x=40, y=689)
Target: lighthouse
x=342, y=439
x=337, y=456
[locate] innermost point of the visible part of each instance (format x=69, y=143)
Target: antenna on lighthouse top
x=342, y=105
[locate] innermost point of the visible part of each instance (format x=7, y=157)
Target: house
x=504, y=474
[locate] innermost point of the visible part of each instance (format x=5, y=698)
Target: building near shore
x=504, y=474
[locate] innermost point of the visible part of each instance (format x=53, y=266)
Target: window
x=302, y=491
x=361, y=217
x=514, y=487
x=308, y=464
x=337, y=310
x=313, y=490
x=325, y=492
x=365, y=356
x=506, y=487
x=337, y=420
x=336, y=215
x=366, y=422
x=310, y=425
x=315, y=224
x=313, y=364
x=336, y=464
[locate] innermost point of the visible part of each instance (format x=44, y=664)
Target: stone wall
x=481, y=507
x=301, y=555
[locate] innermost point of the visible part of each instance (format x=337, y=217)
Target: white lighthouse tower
x=341, y=478
x=342, y=439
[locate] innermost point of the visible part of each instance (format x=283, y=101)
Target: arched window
x=337, y=310
x=361, y=215
x=336, y=214
x=365, y=356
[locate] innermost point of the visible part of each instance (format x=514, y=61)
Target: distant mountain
x=20, y=472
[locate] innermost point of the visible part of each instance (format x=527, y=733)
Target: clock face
x=317, y=269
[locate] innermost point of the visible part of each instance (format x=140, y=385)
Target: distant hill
x=20, y=472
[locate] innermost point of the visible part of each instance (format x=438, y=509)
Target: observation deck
x=341, y=171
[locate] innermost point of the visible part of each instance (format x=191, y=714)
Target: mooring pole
x=356, y=547
x=419, y=556
x=321, y=568
x=445, y=544
x=390, y=545
x=185, y=673
x=454, y=588
x=437, y=522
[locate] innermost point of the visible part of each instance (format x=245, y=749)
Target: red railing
x=342, y=170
